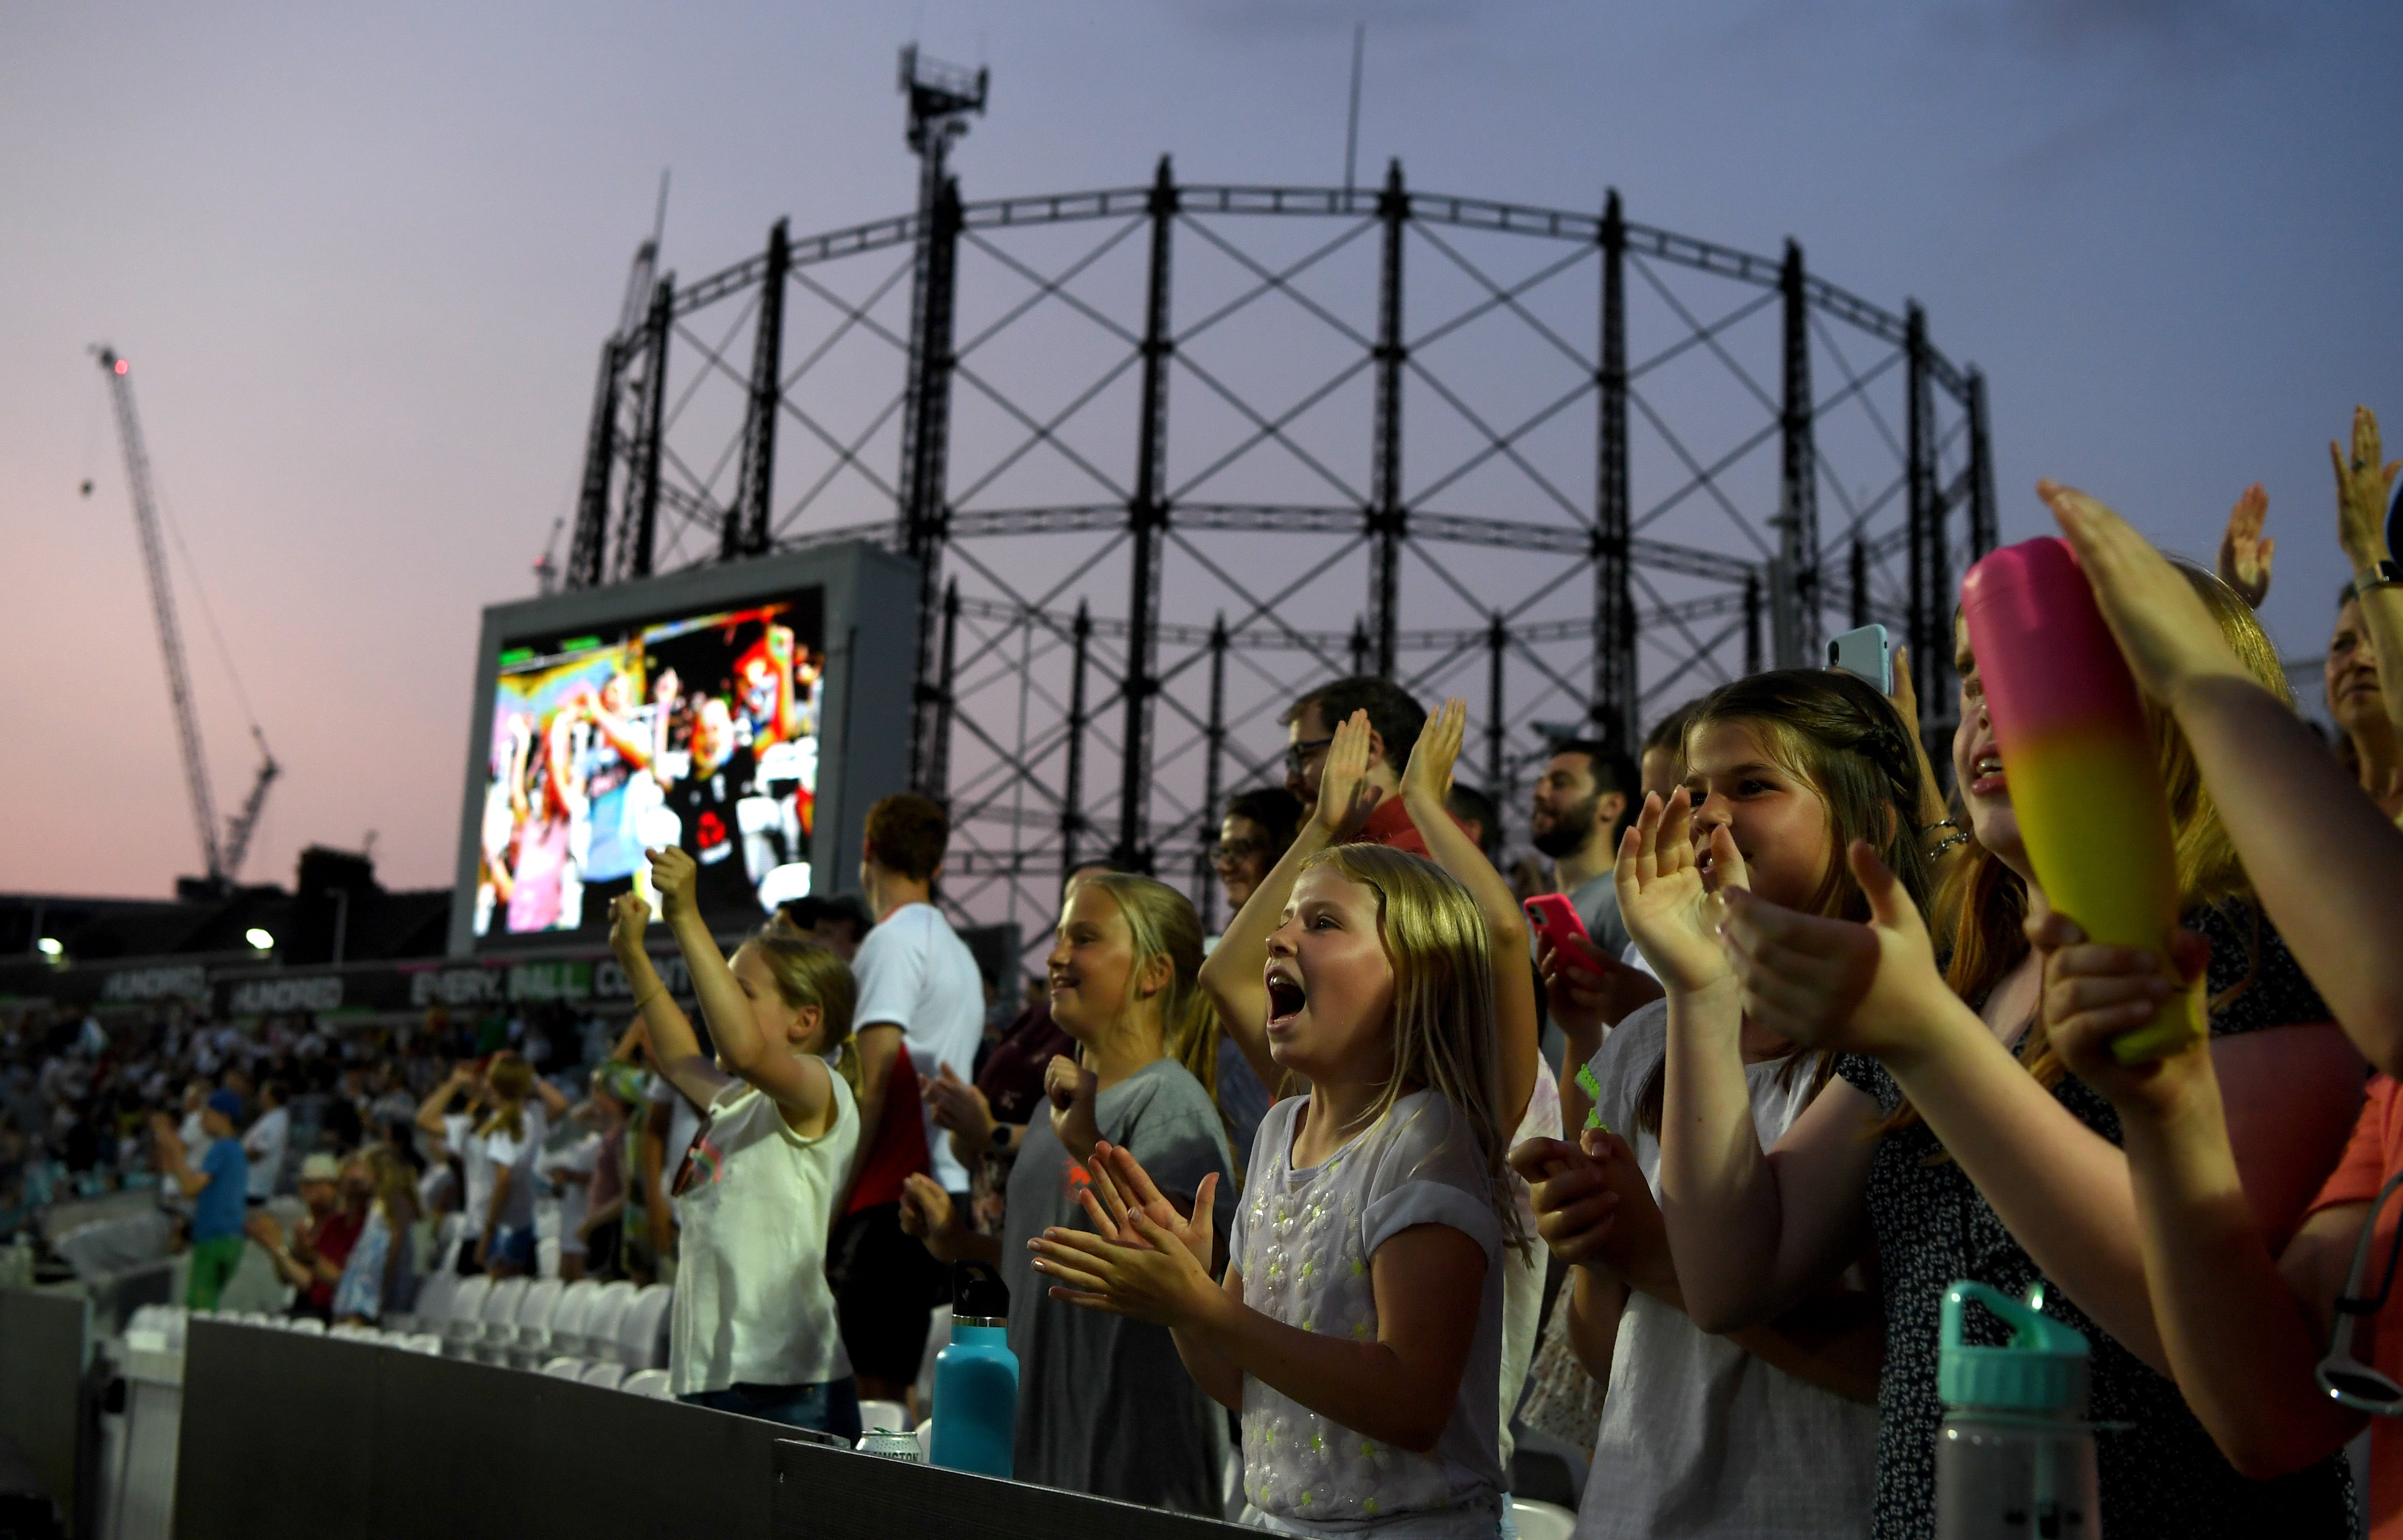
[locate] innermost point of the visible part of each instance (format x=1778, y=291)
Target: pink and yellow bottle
x=2085, y=778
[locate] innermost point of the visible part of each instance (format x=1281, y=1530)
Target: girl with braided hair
x=1952, y=1138
x=1762, y=1432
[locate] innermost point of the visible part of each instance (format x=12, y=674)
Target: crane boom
x=162, y=609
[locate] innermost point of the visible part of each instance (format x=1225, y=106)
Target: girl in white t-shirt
x=1358, y=1329
x=506, y=1144
x=754, y=1329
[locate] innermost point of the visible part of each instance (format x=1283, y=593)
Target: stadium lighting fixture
x=51, y=947
x=258, y=940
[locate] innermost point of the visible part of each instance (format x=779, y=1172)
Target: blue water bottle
x=975, y=1378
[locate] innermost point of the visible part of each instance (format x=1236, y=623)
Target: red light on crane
x=120, y=366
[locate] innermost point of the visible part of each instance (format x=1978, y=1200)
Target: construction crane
x=224, y=855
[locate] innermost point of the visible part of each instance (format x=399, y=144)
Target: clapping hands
x=1668, y=907
x=1345, y=798
x=1144, y=1260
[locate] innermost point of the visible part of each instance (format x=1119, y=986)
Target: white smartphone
x=1865, y=654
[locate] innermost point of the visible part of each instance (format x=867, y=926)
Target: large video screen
x=692, y=730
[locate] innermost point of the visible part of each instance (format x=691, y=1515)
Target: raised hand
x=1669, y=909
x=1835, y=984
x=2361, y=485
x=1121, y=1186
x=1344, y=799
x=2245, y=552
x=1071, y=1087
x=673, y=874
x=1427, y=779
x=2167, y=635
x=630, y=915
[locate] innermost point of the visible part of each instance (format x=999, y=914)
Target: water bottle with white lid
x=2016, y=1455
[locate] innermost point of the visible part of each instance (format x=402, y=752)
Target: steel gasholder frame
x=1667, y=611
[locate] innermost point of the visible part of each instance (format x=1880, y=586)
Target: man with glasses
x=1393, y=722
x=1259, y=825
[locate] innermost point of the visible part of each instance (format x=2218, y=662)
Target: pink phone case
x=1556, y=920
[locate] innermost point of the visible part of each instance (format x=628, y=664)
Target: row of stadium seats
x=162, y=1328
x=528, y=1323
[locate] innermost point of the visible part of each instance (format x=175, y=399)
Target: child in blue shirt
x=217, y=1191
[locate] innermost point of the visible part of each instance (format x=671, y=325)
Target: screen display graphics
x=698, y=729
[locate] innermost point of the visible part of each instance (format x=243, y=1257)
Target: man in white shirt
x=265, y=1142
x=919, y=987
x=918, y=981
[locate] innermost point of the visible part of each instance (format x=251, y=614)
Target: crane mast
x=223, y=857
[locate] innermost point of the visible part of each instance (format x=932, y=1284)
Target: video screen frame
x=863, y=655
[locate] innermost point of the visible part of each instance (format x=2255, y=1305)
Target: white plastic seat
x=499, y=1320
x=651, y=1382
x=609, y=1306
x=564, y=1367
x=425, y=1342
x=465, y=1323
x=435, y=1295
x=1542, y=1520
x=604, y=1375
x=643, y=1332
x=566, y=1333
x=546, y=1256
x=534, y=1311
x=891, y=1416
x=308, y=1325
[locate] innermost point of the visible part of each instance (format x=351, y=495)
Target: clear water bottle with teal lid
x=2016, y=1455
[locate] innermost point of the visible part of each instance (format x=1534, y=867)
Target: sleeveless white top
x=752, y=1305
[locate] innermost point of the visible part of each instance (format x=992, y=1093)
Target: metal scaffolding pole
x=588, y=551
x=1751, y=660
x=1072, y=791
x=1982, y=508
x=1927, y=515
x=1212, y=774
x=1146, y=533
x=636, y=534
x=746, y=522
x=1796, y=607
x=1859, y=575
x=937, y=783
x=926, y=432
x=1387, y=521
x=1612, y=707
x=1497, y=649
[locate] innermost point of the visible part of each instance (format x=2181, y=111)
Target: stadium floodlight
x=51, y=947
x=258, y=940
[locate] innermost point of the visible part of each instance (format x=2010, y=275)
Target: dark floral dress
x=2161, y=1473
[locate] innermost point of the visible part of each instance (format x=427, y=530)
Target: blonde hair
x=394, y=1186
x=809, y=974
x=512, y=1080
x=1982, y=904
x=1443, y=1031
x=1160, y=922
